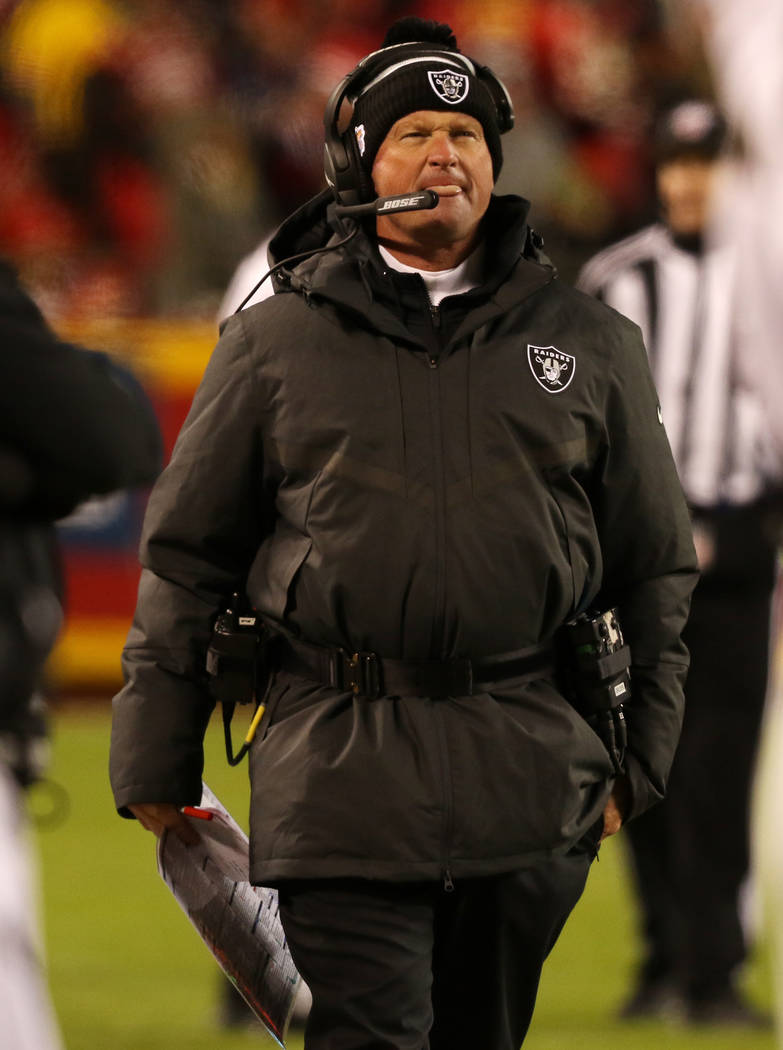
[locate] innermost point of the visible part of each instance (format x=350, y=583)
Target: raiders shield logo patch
x=449, y=86
x=552, y=369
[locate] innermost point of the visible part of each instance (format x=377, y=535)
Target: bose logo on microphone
x=399, y=202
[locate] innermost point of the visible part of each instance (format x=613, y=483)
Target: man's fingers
x=145, y=816
x=185, y=831
x=158, y=817
x=613, y=820
x=616, y=808
x=611, y=827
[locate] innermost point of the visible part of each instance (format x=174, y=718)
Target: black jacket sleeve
x=650, y=566
x=204, y=525
x=73, y=424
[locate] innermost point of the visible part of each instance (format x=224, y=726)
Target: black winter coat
x=424, y=485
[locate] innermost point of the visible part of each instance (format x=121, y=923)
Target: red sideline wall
x=100, y=541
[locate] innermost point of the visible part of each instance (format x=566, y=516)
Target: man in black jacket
x=419, y=459
x=73, y=425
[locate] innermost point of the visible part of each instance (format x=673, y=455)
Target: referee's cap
x=694, y=127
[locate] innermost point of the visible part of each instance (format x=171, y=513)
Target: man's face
x=685, y=186
x=442, y=151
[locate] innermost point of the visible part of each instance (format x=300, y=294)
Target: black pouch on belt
x=595, y=664
x=239, y=663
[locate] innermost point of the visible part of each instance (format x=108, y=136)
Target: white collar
x=442, y=283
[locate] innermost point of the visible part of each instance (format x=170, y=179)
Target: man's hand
x=615, y=808
x=160, y=816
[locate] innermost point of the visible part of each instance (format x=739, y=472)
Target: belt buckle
x=359, y=672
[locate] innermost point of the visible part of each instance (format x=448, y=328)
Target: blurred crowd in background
x=147, y=145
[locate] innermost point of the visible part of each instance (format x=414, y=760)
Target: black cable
x=621, y=727
x=296, y=258
x=233, y=759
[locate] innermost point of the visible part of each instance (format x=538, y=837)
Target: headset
x=349, y=181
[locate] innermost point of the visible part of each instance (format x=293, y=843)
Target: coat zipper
x=448, y=807
x=439, y=486
x=435, y=318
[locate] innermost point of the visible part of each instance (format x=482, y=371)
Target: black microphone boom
x=387, y=205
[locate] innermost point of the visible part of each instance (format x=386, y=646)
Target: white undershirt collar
x=442, y=283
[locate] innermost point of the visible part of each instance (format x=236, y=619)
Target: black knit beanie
x=422, y=80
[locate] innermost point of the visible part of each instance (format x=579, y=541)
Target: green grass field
x=128, y=972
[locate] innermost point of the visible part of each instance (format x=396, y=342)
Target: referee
x=691, y=853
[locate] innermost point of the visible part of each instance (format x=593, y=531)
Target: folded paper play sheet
x=238, y=922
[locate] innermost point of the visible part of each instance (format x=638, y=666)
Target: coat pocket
x=273, y=572
x=579, y=536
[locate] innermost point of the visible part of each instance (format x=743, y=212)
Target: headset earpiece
x=342, y=165
x=336, y=160
x=500, y=98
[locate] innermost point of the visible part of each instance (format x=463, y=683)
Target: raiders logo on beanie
x=425, y=81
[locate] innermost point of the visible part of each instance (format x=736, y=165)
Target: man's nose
x=442, y=150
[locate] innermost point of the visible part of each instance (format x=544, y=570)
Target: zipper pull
x=448, y=883
x=432, y=362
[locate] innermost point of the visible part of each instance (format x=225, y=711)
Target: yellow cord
x=255, y=723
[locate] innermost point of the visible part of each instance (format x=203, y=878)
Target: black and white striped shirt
x=684, y=303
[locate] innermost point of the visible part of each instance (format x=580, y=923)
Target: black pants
x=410, y=966
x=691, y=853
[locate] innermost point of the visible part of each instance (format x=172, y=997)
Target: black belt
x=372, y=676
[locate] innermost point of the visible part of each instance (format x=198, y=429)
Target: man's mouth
x=447, y=189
